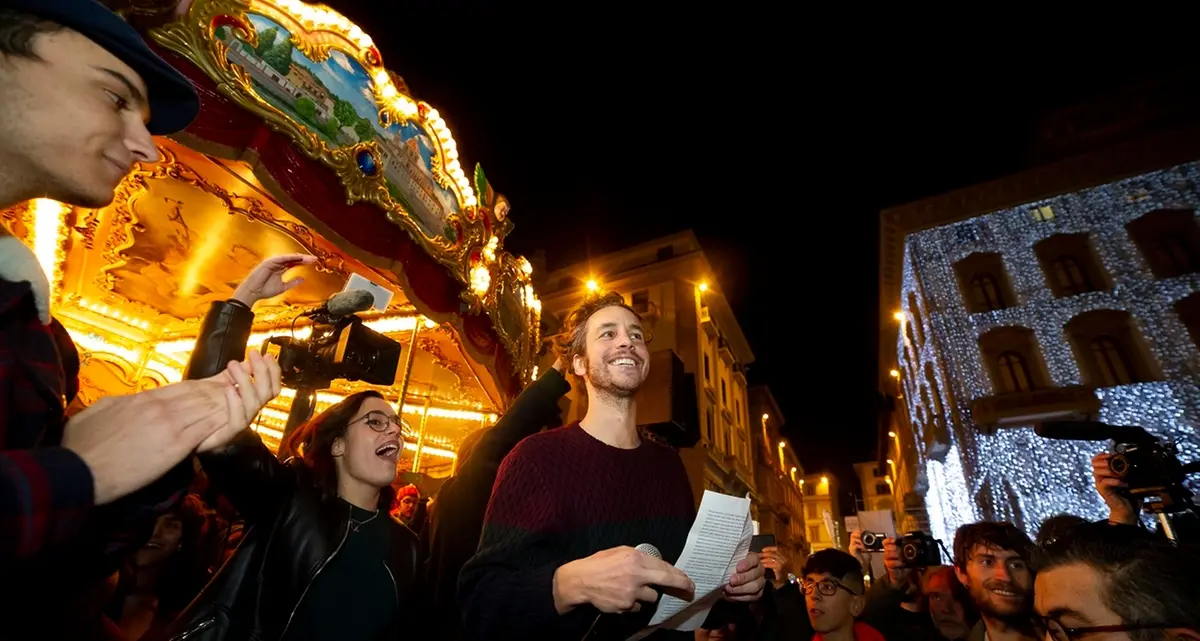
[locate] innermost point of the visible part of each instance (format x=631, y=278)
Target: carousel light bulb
x=592, y=285
x=703, y=287
x=766, y=416
x=894, y=373
x=481, y=279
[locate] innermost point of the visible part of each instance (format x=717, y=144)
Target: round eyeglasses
x=379, y=421
x=827, y=587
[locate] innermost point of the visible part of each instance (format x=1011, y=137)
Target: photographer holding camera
x=894, y=601
x=1125, y=508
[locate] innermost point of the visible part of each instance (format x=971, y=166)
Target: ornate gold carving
x=195, y=37
x=123, y=224
x=317, y=33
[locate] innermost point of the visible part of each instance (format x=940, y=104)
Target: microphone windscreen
x=351, y=302
x=649, y=550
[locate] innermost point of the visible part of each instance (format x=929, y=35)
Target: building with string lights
x=1067, y=292
x=696, y=396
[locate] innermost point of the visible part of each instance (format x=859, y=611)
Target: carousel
x=305, y=143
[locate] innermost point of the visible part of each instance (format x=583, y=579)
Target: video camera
x=340, y=347
x=1150, y=466
x=919, y=550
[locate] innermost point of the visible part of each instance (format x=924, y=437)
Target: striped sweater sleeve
x=506, y=589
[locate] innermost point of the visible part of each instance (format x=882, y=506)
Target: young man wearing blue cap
x=81, y=95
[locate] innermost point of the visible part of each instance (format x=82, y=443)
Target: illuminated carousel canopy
x=304, y=143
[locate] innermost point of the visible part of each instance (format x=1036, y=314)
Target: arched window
x=915, y=313
x=1012, y=357
x=984, y=283
x=1109, y=349
x=1014, y=373
x=1169, y=240
x=1071, y=264
x=1112, y=364
x=1071, y=278
x=985, y=294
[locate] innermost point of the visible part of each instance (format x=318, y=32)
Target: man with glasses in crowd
x=834, y=590
x=1103, y=582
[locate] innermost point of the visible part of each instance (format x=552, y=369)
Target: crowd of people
x=162, y=515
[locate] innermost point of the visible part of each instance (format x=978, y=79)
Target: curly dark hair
x=1002, y=536
x=312, y=444
x=18, y=30
x=572, y=341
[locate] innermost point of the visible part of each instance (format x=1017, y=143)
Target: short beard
x=1021, y=620
x=601, y=380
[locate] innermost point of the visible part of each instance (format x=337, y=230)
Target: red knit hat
x=407, y=490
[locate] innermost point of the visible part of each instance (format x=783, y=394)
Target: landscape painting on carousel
x=334, y=99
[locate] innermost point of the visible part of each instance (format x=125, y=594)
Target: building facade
x=875, y=487
x=823, y=523
x=898, y=455
x=696, y=396
x=1067, y=292
x=777, y=477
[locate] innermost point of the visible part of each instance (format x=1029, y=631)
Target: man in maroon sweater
x=556, y=559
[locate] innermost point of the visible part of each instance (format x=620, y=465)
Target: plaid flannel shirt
x=46, y=491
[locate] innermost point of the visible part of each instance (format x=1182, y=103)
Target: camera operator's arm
x=226, y=327
x=1121, y=507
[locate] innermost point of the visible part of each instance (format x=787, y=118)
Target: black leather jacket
x=292, y=531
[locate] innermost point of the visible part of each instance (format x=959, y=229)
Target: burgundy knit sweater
x=560, y=496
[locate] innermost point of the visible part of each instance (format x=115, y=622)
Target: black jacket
x=456, y=520
x=293, y=532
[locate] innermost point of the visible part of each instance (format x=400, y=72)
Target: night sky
x=608, y=128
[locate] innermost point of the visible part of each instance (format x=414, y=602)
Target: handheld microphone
x=645, y=548
x=344, y=304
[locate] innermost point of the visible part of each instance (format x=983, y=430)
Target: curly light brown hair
x=572, y=341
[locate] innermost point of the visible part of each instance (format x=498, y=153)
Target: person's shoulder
x=547, y=442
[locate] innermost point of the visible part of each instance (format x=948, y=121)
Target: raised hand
x=256, y=381
x=774, y=560
x=897, y=573
x=1121, y=507
x=266, y=280
x=617, y=580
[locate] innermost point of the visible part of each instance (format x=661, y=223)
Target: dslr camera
x=919, y=550
x=873, y=541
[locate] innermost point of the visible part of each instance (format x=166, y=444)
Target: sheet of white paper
x=718, y=541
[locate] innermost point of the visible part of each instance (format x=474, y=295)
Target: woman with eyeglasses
x=321, y=560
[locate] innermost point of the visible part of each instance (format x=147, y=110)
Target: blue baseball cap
x=172, y=98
